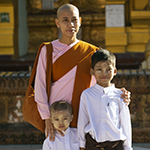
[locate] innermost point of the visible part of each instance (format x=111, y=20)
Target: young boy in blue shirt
x=104, y=120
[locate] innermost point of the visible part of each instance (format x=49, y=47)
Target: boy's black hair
x=103, y=55
x=61, y=105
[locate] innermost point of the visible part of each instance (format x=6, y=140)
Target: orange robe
x=79, y=55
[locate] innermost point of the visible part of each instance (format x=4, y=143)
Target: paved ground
x=136, y=146
x=141, y=146
x=20, y=147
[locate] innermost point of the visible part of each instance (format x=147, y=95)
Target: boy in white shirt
x=104, y=121
x=61, y=116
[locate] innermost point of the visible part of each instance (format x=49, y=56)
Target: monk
x=71, y=59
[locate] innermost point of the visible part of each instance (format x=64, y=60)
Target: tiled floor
x=136, y=146
x=20, y=147
x=141, y=146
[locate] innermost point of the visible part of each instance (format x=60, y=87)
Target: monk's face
x=68, y=21
x=61, y=119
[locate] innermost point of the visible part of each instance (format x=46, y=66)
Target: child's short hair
x=103, y=55
x=61, y=105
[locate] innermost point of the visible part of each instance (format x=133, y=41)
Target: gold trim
x=108, y=2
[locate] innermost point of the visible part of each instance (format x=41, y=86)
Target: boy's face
x=104, y=73
x=61, y=119
x=69, y=22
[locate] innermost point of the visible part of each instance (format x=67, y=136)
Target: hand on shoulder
x=126, y=96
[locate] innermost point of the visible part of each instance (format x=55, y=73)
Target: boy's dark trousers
x=91, y=144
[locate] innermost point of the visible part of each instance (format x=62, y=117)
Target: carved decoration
x=41, y=29
x=135, y=107
x=2, y=83
x=94, y=5
x=58, y=3
x=14, y=135
x=42, y=26
x=15, y=109
x=38, y=37
x=3, y=108
x=142, y=81
x=35, y=6
x=12, y=91
x=94, y=35
x=147, y=106
x=133, y=80
x=21, y=83
x=11, y=83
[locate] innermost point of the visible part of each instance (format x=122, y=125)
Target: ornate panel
x=35, y=6
x=42, y=28
x=15, y=109
x=137, y=82
x=3, y=108
x=14, y=130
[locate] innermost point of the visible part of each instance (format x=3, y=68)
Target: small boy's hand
x=49, y=130
x=126, y=96
x=81, y=148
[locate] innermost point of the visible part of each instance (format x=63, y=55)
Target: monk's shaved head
x=66, y=6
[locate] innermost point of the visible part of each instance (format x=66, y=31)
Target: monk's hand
x=60, y=132
x=126, y=96
x=49, y=130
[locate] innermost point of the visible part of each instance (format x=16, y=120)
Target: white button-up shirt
x=69, y=141
x=104, y=115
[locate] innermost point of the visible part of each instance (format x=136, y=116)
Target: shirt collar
x=106, y=89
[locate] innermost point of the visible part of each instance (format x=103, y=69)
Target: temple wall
x=129, y=39
x=14, y=130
